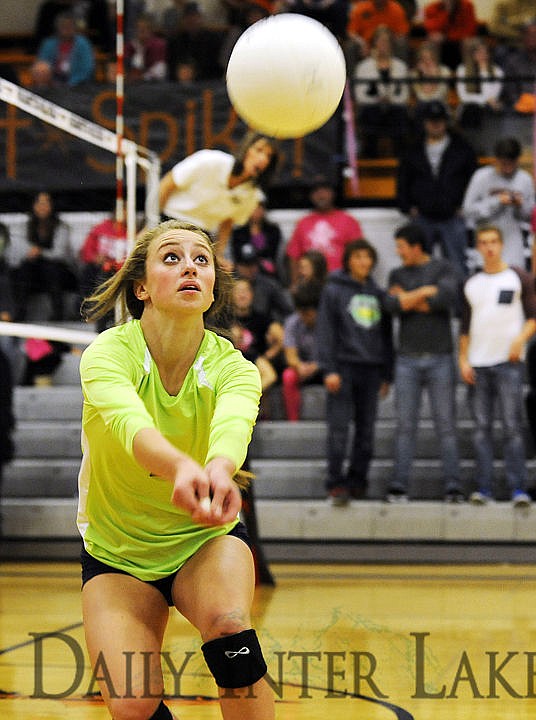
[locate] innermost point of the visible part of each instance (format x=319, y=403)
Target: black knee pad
x=162, y=713
x=236, y=661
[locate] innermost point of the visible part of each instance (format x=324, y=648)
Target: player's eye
x=202, y=258
x=171, y=257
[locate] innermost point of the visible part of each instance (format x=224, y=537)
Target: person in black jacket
x=356, y=355
x=262, y=234
x=432, y=178
x=424, y=293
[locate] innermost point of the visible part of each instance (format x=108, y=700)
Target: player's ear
x=140, y=292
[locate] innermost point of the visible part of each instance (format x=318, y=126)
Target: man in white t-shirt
x=498, y=319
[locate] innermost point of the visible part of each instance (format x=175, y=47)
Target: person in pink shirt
x=102, y=254
x=146, y=53
x=326, y=229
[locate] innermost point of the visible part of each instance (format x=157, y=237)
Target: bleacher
x=296, y=521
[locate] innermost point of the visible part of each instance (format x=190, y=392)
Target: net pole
x=119, y=118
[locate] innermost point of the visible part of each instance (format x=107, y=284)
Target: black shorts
x=91, y=567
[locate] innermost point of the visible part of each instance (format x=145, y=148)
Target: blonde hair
x=120, y=288
x=472, y=71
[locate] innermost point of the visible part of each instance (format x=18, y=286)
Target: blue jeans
x=451, y=235
x=357, y=400
x=412, y=374
x=504, y=383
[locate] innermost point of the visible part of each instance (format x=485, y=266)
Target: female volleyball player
x=216, y=190
x=169, y=408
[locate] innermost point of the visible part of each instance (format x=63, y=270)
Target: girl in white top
x=433, y=77
x=216, y=190
x=484, y=79
x=381, y=77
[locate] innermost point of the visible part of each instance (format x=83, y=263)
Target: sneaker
x=520, y=499
x=339, y=496
x=479, y=498
x=454, y=497
x=396, y=495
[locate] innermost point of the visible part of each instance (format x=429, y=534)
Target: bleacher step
x=318, y=520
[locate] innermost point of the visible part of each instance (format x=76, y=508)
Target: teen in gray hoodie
x=356, y=356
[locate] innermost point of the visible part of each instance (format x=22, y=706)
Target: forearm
x=156, y=454
x=529, y=328
x=413, y=299
x=292, y=357
x=463, y=350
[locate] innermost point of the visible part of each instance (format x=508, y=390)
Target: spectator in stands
x=48, y=265
x=91, y=19
x=186, y=73
x=423, y=294
x=216, y=190
x=145, y=54
x=502, y=194
x=366, y=16
x=6, y=297
x=311, y=266
x=168, y=20
x=499, y=318
x=251, y=13
x=519, y=73
x=42, y=359
x=161, y=10
x=195, y=41
x=326, y=229
x=331, y=13
x=480, y=93
x=102, y=253
x=236, y=10
x=65, y=58
x=432, y=177
x=431, y=79
x=133, y=9
x=507, y=18
x=448, y=23
x=263, y=235
x=355, y=353
x=301, y=350
x=7, y=303
x=381, y=93
x=249, y=330
x=270, y=298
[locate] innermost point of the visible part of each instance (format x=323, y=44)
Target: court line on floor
x=52, y=633
x=355, y=576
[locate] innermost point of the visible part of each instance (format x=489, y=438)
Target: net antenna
x=127, y=152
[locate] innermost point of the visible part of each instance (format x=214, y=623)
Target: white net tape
x=134, y=155
x=47, y=332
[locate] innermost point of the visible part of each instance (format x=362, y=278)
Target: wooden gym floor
x=341, y=641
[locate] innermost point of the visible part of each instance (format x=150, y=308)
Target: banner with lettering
x=169, y=120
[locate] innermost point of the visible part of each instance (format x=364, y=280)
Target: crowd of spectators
x=308, y=310
x=399, y=56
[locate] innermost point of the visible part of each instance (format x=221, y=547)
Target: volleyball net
x=132, y=155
